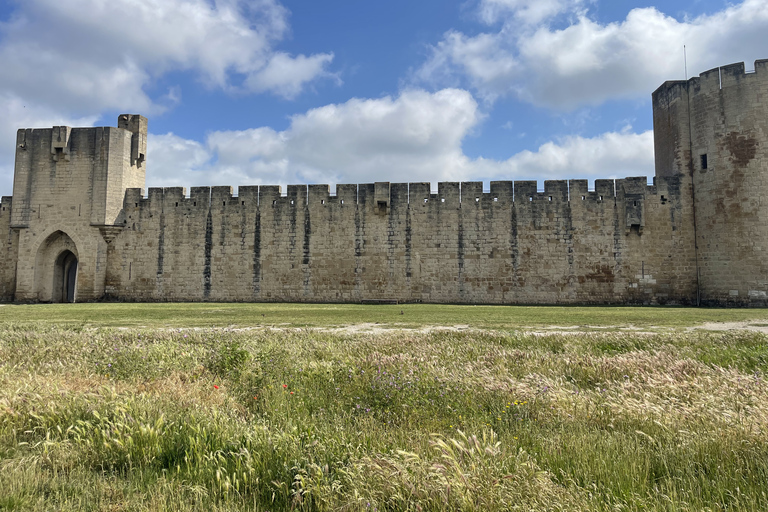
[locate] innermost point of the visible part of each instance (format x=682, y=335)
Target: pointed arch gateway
x=56, y=267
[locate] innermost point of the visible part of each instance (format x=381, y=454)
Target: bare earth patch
x=732, y=326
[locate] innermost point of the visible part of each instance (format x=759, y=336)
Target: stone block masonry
x=79, y=226
x=714, y=129
x=622, y=242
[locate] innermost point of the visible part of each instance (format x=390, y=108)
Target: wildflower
x=215, y=386
x=291, y=392
x=285, y=386
x=256, y=397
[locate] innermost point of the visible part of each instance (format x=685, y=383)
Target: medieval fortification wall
x=79, y=226
x=398, y=241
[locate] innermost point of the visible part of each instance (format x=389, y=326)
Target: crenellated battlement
x=715, y=79
x=628, y=199
x=468, y=193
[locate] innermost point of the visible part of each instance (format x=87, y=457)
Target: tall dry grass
x=100, y=419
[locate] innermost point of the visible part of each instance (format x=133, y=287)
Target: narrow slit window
x=704, y=161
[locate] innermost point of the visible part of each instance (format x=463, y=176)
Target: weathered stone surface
x=695, y=234
x=714, y=131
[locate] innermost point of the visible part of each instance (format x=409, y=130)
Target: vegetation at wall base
x=98, y=418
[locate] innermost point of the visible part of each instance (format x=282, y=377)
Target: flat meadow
x=359, y=408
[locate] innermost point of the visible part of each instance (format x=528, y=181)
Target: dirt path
x=753, y=325
x=544, y=330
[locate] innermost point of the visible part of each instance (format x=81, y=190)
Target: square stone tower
x=68, y=190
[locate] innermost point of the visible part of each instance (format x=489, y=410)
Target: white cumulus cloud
x=92, y=55
x=286, y=76
x=527, y=11
x=70, y=62
x=588, y=62
x=609, y=155
x=414, y=137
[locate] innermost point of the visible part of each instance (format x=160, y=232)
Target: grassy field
x=94, y=417
x=328, y=315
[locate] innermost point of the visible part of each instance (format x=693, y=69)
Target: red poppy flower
x=215, y=386
x=285, y=385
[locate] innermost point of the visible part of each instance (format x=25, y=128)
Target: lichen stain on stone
x=742, y=148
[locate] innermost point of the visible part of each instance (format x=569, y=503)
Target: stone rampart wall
x=625, y=242
x=9, y=248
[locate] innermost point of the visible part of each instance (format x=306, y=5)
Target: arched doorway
x=65, y=278
x=56, y=269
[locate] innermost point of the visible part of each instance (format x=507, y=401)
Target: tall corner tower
x=713, y=131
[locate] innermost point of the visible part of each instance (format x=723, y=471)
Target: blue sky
x=242, y=92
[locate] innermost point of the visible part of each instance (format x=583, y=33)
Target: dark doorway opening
x=65, y=278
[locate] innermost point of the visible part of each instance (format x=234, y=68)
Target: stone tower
x=713, y=131
x=68, y=191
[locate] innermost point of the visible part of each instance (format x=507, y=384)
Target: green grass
x=325, y=315
x=97, y=418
